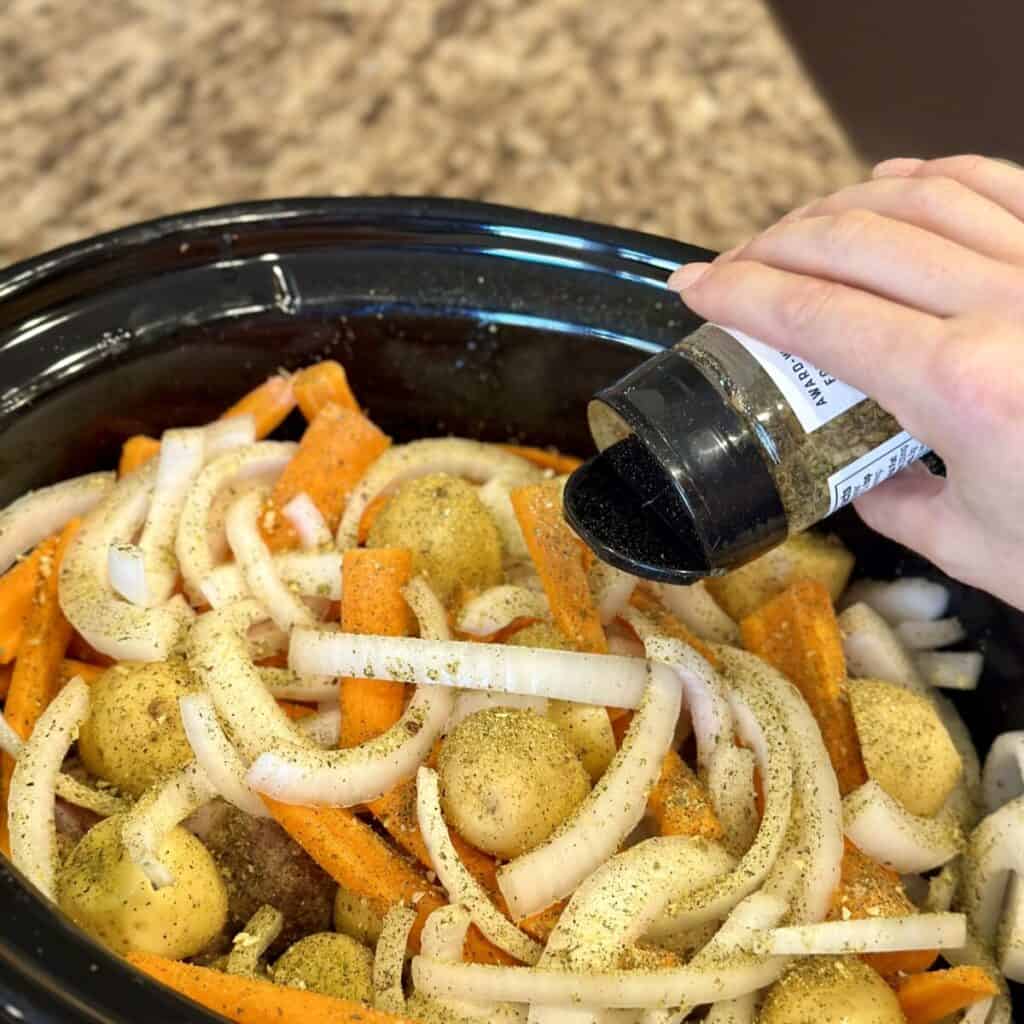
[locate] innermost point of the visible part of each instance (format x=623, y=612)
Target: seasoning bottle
x=716, y=450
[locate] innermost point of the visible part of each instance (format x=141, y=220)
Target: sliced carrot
x=136, y=452
x=797, y=632
x=71, y=667
x=679, y=804
x=335, y=452
x=542, y=924
x=369, y=517
x=268, y=404
x=644, y=601
x=558, y=557
x=6, y=671
x=546, y=458
x=248, y=1000
x=81, y=650
x=17, y=586
x=620, y=726
x=935, y=995
x=372, y=602
x=320, y=385
x=295, y=711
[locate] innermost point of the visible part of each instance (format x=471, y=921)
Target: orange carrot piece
x=17, y=586
x=295, y=711
x=797, y=632
x=620, y=726
x=372, y=602
x=136, y=452
x=557, y=555
x=6, y=671
x=71, y=667
x=254, y=1001
x=546, y=458
x=542, y=924
x=336, y=450
x=679, y=804
x=369, y=516
x=268, y=404
x=935, y=995
x=320, y=385
x=81, y=650
x=644, y=601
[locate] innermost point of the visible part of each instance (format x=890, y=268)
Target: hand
x=910, y=287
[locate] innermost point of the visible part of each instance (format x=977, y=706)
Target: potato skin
x=453, y=538
x=108, y=896
x=133, y=735
x=329, y=963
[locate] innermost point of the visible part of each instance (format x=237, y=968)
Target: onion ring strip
x=497, y=608
x=389, y=959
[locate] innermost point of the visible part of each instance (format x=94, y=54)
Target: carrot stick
x=369, y=516
x=295, y=711
x=644, y=601
x=71, y=667
x=546, y=458
x=136, y=452
x=372, y=602
x=336, y=450
x=679, y=804
x=935, y=995
x=322, y=384
x=797, y=632
x=268, y=404
x=249, y=1000
x=17, y=586
x=558, y=557
x=6, y=671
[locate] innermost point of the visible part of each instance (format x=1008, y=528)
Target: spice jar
x=716, y=450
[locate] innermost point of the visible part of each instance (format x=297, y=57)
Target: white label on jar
x=816, y=397
x=849, y=483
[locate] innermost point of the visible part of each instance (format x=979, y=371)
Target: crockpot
x=450, y=317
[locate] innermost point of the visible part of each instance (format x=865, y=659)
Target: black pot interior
x=449, y=317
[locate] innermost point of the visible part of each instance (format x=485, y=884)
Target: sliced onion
x=1010, y=937
x=951, y=670
x=10, y=742
x=38, y=514
x=443, y=938
x=307, y=521
x=735, y=803
x=873, y=651
x=263, y=461
x=427, y=607
x=30, y=813
x=978, y=1013
x=611, y=588
x=994, y=850
x=182, y=453
x=865, y=935
x=564, y=675
x=323, y=728
x=257, y=564
x=613, y=808
x=126, y=569
x=264, y=640
x=623, y=641
x=902, y=600
x=260, y=932
x=284, y=684
x=497, y=608
x=458, y=882
x=470, y=701
x=309, y=573
x=965, y=802
x=117, y=628
x=217, y=758
x=79, y=793
x=226, y=435
x=888, y=832
x=927, y=635
x=456, y=456
x=389, y=959
x=733, y=1011
x=1003, y=779
x=700, y=612
x=941, y=889
x=496, y=497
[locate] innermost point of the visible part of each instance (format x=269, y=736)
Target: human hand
x=909, y=287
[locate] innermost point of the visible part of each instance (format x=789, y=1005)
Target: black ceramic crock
x=451, y=317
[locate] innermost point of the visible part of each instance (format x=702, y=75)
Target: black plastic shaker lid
x=680, y=489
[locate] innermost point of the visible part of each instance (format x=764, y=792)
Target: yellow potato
x=842, y=990
x=508, y=779
x=540, y=634
x=588, y=729
x=906, y=748
x=805, y=556
x=103, y=892
x=133, y=734
x=356, y=916
x=453, y=538
x=329, y=963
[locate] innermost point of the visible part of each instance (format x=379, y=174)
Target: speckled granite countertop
x=685, y=117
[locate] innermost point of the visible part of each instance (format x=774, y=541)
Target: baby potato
x=906, y=748
x=508, y=779
x=839, y=989
x=329, y=963
x=453, y=538
x=108, y=896
x=133, y=734
x=540, y=634
x=356, y=915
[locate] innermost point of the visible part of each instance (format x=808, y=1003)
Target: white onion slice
x=873, y=650
x=117, y=628
x=389, y=959
x=257, y=564
x=888, y=832
x=309, y=573
x=323, y=728
x=453, y=455
x=1010, y=937
x=1003, y=779
x=994, y=850
x=470, y=701
x=564, y=675
x=611, y=588
x=284, y=684
x=733, y=1011
x=427, y=607
x=700, y=612
x=81, y=794
x=866, y=935
x=249, y=945
x=498, y=607
x=126, y=569
x=10, y=742
x=927, y=635
x=458, y=882
x=30, y=812
x=222, y=436
x=262, y=461
x=496, y=497
x=612, y=809
x=911, y=597
x=38, y=514
x=623, y=641
x=307, y=521
x=182, y=453
x=216, y=756
x=443, y=939
x=951, y=670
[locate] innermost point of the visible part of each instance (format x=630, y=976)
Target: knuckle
x=966, y=165
x=977, y=369
x=846, y=228
x=932, y=195
x=804, y=304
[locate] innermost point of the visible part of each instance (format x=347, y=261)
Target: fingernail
x=687, y=276
x=897, y=167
